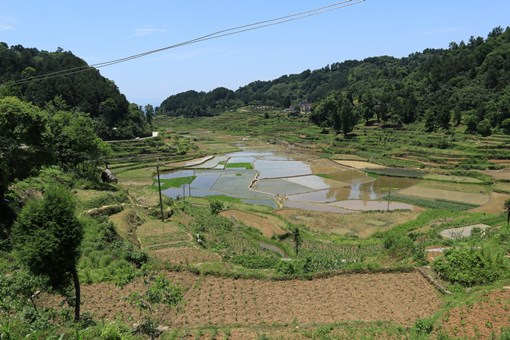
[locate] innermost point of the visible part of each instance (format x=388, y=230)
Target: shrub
x=165, y=292
x=254, y=261
x=286, y=268
x=423, y=326
x=469, y=266
x=399, y=246
x=216, y=207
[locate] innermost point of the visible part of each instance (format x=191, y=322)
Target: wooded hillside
x=87, y=91
x=468, y=82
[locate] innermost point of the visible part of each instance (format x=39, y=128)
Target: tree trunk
x=77, y=292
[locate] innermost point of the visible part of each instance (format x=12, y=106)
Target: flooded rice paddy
x=280, y=180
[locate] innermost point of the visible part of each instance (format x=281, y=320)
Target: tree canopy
x=467, y=82
x=84, y=91
x=31, y=138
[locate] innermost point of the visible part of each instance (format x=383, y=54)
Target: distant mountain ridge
x=469, y=81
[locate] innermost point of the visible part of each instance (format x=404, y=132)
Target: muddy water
x=280, y=174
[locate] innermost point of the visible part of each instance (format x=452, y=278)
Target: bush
x=423, y=326
x=254, y=261
x=399, y=246
x=286, y=268
x=216, y=207
x=165, y=292
x=469, y=266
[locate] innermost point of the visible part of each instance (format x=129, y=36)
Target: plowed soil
x=217, y=301
x=478, y=320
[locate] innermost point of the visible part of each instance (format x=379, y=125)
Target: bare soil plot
x=498, y=175
x=361, y=224
x=401, y=298
x=494, y=205
x=216, y=301
x=267, y=224
x=455, y=196
x=320, y=166
x=479, y=320
x=360, y=164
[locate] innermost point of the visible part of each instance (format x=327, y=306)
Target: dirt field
x=360, y=164
x=480, y=319
x=363, y=224
x=184, y=255
x=400, y=297
x=495, y=204
x=363, y=297
x=455, y=196
x=498, y=175
x=268, y=225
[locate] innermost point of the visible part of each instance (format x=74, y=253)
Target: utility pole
x=160, y=198
x=389, y=193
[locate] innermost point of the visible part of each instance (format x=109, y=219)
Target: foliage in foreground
x=469, y=266
x=47, y=236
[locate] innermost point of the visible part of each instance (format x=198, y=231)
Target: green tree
x=484, y=128
x=346, y=110
x=149, y=113
x=506, y=126
x=335, y=111
x=74, y=140
x=46, y=238
x=23, y=135
x=216, y=207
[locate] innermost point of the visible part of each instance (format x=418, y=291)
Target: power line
x=215, y=35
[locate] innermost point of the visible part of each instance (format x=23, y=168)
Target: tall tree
x=46, y=238
x=149, y=113
x=23, y=135
x=335, y=111
x=74, y=140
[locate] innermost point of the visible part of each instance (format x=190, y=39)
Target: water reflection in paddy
x=280, y=174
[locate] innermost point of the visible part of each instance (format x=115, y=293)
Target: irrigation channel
x=277, y=180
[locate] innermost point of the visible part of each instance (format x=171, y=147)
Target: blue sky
x=99, y=31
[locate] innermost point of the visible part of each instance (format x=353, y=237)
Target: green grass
x=247, y=166
x=431, y=203
x=224, y=198
x=173, y=182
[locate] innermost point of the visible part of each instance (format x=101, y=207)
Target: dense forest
x=469, y=82
x=114, y=117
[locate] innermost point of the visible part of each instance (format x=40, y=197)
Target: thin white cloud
x=6, y=23
x=143, y=31
x=441, y=31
